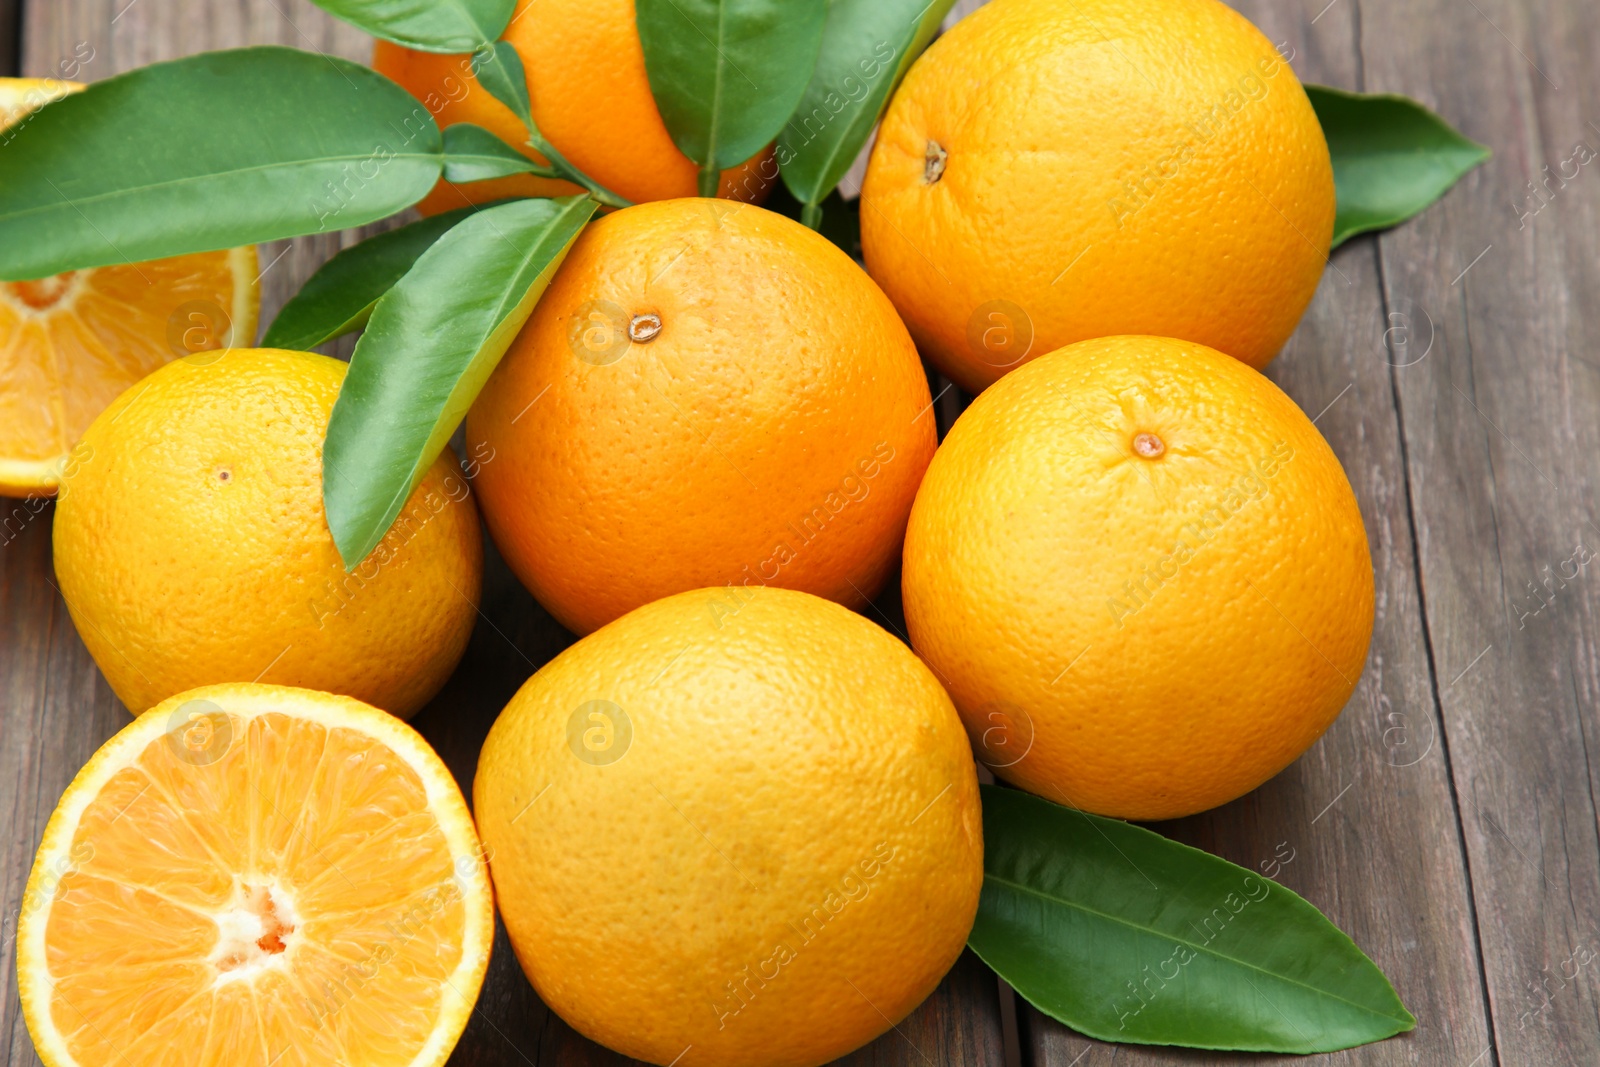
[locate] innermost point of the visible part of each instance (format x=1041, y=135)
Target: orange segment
x=256, y=875
x=70, y=344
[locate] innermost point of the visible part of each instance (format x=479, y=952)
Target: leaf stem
x=560, y=167
x=710, y=179
x=499, y=70
x=811, y=215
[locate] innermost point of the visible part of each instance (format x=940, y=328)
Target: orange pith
x=71, y=343
x=255, y=875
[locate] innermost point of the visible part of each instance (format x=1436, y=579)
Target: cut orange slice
x=70, y=344
x=256, y=875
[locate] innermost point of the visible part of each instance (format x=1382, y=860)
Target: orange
x=1143, y=576
x=1054, y=172
x=256, y=874
x=733, y=830
x=591, y=99
x=70, y=343
x=707, y=394
x=192, y=548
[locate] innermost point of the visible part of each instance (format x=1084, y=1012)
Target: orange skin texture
x=797, y=798
x=772, y=433
x=1113, y=167
x=178, y=577
x=590, y=97
x=1139, y=637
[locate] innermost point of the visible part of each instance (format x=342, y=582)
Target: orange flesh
x=292, y=902
x=69, y=345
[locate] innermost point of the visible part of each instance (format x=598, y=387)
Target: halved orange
x=70, y=344
x=256, y=875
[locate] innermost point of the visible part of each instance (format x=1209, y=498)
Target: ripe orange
x=192, y=548
x=724, y=837
x=69, y=344
x=1055, y=172
x=256, y=874
x=707, y=394
x=1143, y=576
x=591, y=99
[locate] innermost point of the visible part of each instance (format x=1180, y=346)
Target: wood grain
x=1500, y=441
x=1447, y=821
x=56, y=711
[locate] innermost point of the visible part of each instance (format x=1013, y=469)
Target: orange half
x=70, y=344
x=256, y=875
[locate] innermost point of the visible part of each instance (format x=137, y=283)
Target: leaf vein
x=1197, y=947
x=266, y=168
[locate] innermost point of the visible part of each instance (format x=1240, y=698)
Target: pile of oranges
x=738, y=820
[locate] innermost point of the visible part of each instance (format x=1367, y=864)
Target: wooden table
x=1448, y=821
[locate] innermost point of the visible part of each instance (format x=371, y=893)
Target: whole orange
x=1142, y=575
x=192, y=547
x=1054, y=172
x=723, y=840
x=590, y=98
x=707, y=394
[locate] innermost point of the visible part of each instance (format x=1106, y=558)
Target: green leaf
x=726, y=74
x=1392, y=157
x=1126, y=936
x=474, y=154
x=867, y=47
x=340, y=296
x=499, y=70
x=427, y=25
x=431, y=343
x=212, y=151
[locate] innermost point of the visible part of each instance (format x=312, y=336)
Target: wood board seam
x=1442, y=732
x=1440, y=726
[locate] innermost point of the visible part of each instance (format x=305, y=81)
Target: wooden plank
x=1500, y=439
x=1366, y=816
x=56, y=709
x=10, y=38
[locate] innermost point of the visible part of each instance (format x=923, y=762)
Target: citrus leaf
x=1392, y=157
x=867, y=47
x=340, y=296
x=474, y=154
x=1126, y=936
x=209, y=152
x=499, y=70
x=727, y=74
x=427, y=25
x=431, y=343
